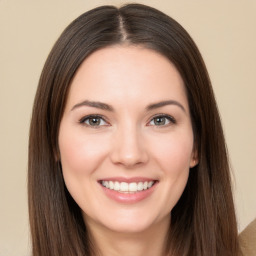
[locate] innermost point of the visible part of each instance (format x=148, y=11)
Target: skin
x=127, y=141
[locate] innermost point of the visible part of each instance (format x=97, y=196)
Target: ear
x=194, y=158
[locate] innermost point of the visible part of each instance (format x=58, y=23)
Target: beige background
x=225, y=32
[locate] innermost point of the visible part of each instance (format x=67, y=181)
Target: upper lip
x=128, y=180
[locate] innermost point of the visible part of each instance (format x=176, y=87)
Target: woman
x=126, y=152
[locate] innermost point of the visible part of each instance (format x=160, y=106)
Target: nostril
x=128, y=146
x=129, y=158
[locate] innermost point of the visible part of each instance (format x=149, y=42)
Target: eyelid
x=169, y=117
x=85, y=118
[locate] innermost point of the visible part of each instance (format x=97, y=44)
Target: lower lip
x=128, y=198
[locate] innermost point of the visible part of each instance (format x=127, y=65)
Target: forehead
x=126, y=73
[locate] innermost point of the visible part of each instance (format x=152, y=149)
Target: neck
x=150, y=242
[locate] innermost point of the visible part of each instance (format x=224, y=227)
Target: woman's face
x=126, y=140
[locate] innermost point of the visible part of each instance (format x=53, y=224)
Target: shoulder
x=247, y=240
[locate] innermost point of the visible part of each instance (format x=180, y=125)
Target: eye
x=162, y=120
x=93, y=121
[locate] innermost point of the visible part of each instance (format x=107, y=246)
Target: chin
x=130, y=223
x=130, y=227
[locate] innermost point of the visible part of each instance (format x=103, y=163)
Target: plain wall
x=225, y=32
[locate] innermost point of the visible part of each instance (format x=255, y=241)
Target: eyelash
x=87, y=118
x=167, y=117
x=83, y=120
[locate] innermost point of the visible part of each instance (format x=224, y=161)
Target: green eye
x=162, y=120
x=93, y=121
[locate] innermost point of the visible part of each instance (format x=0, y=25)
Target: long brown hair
x=203, y=221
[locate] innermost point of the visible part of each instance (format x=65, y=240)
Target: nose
x=128, y=148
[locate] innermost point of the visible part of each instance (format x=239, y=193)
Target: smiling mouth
x=125, y=187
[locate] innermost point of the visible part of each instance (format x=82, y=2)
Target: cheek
x=81, y=156
x=79, y=153
x=174, y=153
x=173, y=156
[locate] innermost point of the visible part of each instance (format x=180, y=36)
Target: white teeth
x=133, y=187
x=111, y=184
x=140, y=186
x=150, y=184
x=125, y=187
x=105, y=184
x=116, y=186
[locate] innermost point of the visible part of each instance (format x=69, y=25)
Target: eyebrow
x=94, y=104
x=104, y=106
x=164, y=103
